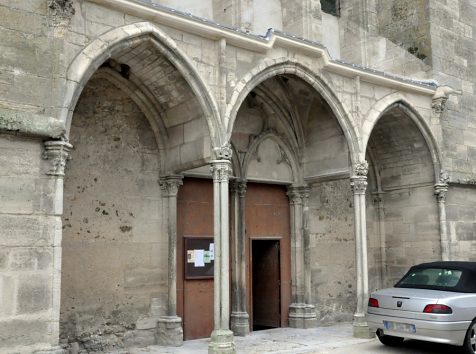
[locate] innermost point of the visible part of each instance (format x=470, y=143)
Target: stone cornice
x=208, y=29
x=32, y=124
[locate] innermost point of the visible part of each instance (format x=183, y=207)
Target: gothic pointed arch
x=283, y=66
x=116, y=42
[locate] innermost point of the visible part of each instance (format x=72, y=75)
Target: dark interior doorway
x=266, y=284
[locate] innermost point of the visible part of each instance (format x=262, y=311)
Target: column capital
x=221, y=170
x=61, y=11
x=361, y=169
x=58, y=153
x=170, y=185
x=441, y=188
x=378, y=197
x=298, y=194
x=223, y=153
x=358, y=184
x=238, y=186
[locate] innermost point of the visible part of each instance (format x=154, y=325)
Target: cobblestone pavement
x=335, y=339
x=280, y=340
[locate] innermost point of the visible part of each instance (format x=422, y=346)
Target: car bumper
x=431, y=331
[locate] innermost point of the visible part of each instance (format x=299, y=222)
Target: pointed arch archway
x=406, y=225
x=132, y=98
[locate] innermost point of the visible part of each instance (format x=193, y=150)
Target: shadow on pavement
x=420, y=347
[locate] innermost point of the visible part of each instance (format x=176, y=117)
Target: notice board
x=199, y=257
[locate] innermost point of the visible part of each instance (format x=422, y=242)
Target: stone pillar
x=359, y=186
x=441, y=188
x=240, y=324
x=302, y=313
x=57, y=152
x=170, y=330
x=222, y=338
x=378, y=201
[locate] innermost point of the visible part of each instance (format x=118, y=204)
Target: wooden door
x=266, y=284
x=267, y=218
x=194, y=221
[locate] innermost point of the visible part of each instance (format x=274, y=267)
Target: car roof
x=467, y=283
x=461, y=265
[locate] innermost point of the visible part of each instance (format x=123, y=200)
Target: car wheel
x=390, y=341
x=469, y=346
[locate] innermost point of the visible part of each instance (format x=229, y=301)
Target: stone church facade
x=173, y=169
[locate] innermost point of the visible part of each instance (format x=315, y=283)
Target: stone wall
x=30, y=247
x=412, y=230
x=407, y=24
x=114, y=242
x=461, y=216
x=453, y=37
x=331, y=227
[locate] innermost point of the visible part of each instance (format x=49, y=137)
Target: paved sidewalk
x=280, y=340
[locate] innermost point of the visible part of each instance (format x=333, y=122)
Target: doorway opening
x=266, y=284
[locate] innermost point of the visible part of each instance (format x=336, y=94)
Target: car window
x=430, y=277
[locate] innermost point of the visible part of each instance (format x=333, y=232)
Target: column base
x=169, y=331
x=52, y=350
x=221, y=342
x=361, y=328
x=240, y=323
x=302, y=316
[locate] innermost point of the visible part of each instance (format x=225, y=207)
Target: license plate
x=399, y=327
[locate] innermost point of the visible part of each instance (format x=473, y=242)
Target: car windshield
x=430, y=277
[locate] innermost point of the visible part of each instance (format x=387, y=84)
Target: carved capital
x=221, y=170
x=298, y=195
x=441, y=188
x=241, y=188
x=58, y=153
x=223, y=153
x=170, y=185
x=438, y=104
x=238, y=186
x=358, y=184
x=61, y=12
x=440, y=192
x=361, y=169
x=378, y=198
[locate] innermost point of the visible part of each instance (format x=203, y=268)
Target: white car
x=434, y=302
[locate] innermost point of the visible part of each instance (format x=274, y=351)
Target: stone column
x=378, y=201
x=302, y=313
x=221, y=338
x=57, y=152
x=239, y=324
x=359, y=186
x=441, y=188
x=170, y=330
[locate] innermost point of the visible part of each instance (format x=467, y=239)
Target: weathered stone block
x=7, y=295
x=139, y=338
x=170, y=332
x=31, y=259
x=24, y=332
x=28, y=230
x=34, y=294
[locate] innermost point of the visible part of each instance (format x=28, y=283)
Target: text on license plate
x=399, y=327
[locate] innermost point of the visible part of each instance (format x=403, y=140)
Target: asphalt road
x=408, y=347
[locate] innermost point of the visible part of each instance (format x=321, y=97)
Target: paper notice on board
x=199, y=261
x=212, y=251
x=190, y=256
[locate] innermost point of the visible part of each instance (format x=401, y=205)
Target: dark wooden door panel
x=194, y=219
x=266, y=284
x=267, y=217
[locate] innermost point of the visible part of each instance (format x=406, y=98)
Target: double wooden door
x=267, y=256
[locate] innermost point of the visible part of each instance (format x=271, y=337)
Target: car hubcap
x=472, y=338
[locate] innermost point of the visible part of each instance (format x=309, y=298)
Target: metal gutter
x=211, y=30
